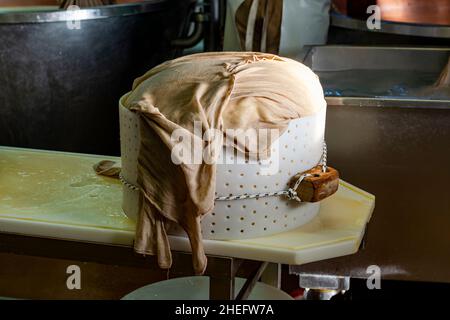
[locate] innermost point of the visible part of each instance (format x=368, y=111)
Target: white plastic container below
x=197, y=288
x=298, y=149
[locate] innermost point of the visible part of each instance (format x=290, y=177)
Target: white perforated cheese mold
x=298, y=149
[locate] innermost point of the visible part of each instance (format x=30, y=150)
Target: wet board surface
x=58, y=195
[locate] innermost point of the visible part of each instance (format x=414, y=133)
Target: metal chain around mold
x=290, y=193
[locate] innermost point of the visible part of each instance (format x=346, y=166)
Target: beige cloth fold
x=444, y=78
x=107, y=168
x=221, y=91
x=258, y=23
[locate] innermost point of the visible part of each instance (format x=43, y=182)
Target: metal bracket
x=251, y=282
x=323, y=287
x=196, y=35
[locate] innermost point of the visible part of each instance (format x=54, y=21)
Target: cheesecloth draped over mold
x=227, y=90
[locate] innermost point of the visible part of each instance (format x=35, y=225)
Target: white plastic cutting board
x=58, y=195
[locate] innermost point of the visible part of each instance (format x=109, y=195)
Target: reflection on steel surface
x=83, y=14
x=406, y=11
x=380, y=76
x=410, y=29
